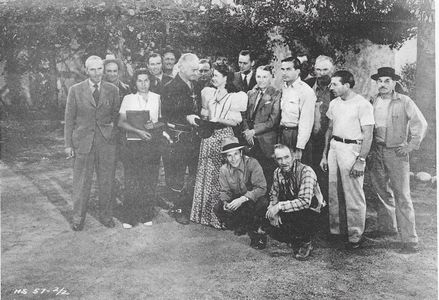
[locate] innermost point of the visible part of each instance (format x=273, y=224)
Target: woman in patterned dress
x=222, y=106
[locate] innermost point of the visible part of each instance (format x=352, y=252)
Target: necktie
x=245, y=83
x=96, y=93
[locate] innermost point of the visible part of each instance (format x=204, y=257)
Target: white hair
x=92, y=58
x=186, y=58
x=323, y=58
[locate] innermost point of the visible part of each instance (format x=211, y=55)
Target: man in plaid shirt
x=295, y=202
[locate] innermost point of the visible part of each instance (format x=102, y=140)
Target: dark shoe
x=181, y=218
x=108, y=223
x=77, y=226
x=304, y=251
x=258, y=241
x=409, y=248
x=353, y=246
x=240, y=231
x=380, y=234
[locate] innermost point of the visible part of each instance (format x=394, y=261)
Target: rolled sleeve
x=306, y=120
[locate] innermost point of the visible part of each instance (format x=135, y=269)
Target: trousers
x=102, y=158
x=347, y=202
x=288, y=137
x=391, y=181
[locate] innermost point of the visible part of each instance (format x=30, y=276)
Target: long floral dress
x=210, y=159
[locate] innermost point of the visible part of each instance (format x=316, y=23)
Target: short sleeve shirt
x=136, y=102
x=349, y=115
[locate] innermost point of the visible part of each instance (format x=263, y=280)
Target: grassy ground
x=172, y=261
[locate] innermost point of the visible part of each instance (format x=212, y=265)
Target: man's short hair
x=247, y=52
x=345, y=77
x=267, y=68
x=296, y=62
x=153, y=55
x=92, y=58
x=281, y=146
x=206, y=61
x=324, y=58
x=171, y=50
x=186, y=58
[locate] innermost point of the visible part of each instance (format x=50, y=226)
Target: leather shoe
x=240, y=231
x=108, y=223
x=259, y=241
x=304, y=251
x=409, y=248
x=181, y=218
x=77, y=226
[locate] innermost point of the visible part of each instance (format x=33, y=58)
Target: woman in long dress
x=140, y=154
x=222, y=107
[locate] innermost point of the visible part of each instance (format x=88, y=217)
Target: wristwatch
x=362, y=159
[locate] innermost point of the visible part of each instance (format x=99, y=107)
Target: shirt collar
x=248, y=75
x=92, y=85
x=294, y=84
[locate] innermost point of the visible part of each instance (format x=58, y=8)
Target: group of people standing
x=261, y=160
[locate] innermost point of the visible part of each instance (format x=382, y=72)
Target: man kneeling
x=242, y=202
x=295, y=202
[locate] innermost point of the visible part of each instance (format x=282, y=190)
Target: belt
x=289, y=128
x=346, y=141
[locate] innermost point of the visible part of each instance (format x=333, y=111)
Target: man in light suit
x=261, y=121
x=90, y=118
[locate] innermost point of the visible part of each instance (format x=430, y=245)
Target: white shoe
x=127, y=226
x=149, y=223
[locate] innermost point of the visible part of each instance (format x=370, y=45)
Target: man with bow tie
x=90, y=139
x=159, y=79
x=262, y=121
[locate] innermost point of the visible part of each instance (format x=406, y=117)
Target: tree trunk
x=426, y=90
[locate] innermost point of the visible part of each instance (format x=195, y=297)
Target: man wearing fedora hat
x=399, y=129
x=242, y=202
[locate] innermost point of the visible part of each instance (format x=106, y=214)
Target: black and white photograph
x=218, y=149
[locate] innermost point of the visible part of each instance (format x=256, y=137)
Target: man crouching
x=243, y=203
x=295, y=203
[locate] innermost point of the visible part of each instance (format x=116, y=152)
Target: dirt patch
x=172, y=261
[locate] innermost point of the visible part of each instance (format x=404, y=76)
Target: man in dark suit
x=181, y=104
x=90, y=118
x=159, y=79
x=112, y=68
x=261, y=121
x=245, y=79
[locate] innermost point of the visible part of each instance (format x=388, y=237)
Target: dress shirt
x=297, y=109
x=245, y=180
x=301, y=183
x=249, y=76
x=92, y=85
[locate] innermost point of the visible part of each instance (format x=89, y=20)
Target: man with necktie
x=90, y=139
x=158, y=79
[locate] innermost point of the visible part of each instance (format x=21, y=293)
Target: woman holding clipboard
x=140, y=154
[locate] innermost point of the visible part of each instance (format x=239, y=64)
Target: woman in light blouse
x=222, y=106
x=140, y=154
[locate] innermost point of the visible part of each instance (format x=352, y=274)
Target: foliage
x=38, y=40
x=408, y=78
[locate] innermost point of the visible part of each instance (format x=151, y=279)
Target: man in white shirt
x=297, y=111
x=350, y=130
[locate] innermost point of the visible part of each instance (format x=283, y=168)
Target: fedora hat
x=230, y=143
x=386, y=72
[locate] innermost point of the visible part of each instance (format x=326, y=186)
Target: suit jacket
x=156, y=86
x=265, y=121
x=83, y=117
x=178, y=101
x=239, y=83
